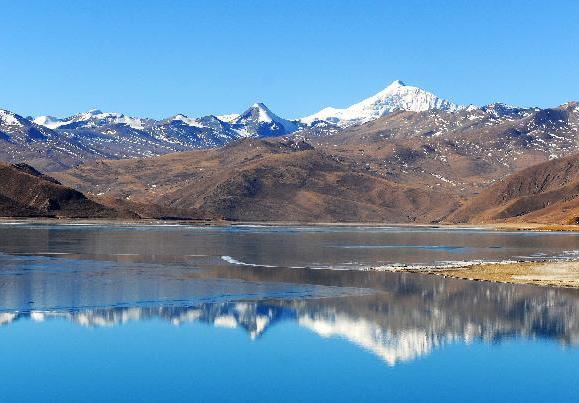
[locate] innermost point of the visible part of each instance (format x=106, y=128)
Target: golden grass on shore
x=548, y=274
x=535, y=227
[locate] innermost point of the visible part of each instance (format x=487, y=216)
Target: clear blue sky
x=159, y=58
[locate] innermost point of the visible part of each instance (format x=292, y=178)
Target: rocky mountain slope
x=462, y=152
x=543, y=193
x=25, y=192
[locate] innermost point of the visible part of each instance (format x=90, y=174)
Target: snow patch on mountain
x=48, y=121
x=187, y=120
x=228, y=118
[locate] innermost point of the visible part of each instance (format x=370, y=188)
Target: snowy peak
x=259, y=113
x=263, y=112
x=396, y=96
x=9, y=118
x=259, y=120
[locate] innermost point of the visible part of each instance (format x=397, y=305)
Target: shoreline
x=152, y=221
x=554, y=274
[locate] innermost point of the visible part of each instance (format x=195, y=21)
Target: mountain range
x=402, y=155
x=404, y=167
x=53, y=144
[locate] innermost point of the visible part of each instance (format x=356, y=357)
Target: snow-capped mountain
x=92, y=119
x=178, y=130
x=51, y=143
x=211, y=130
x=259, y=121
x=18, y=129
x=207, y=131
x=397, y=96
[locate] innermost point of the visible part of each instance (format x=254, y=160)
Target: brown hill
x=544, y=193
x=259, y=180
x=25, y=192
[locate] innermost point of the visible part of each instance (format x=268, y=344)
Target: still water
x=181, y=313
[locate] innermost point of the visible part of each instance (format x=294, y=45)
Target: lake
x=256, y=313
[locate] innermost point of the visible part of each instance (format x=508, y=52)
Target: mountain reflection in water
x=107, y=276
x=404, y=318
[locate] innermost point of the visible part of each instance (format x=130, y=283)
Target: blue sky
x=159, y=58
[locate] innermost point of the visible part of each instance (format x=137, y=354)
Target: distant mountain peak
x=264, y=121
x=396, y=96
x=262, y=112
x=260, y=105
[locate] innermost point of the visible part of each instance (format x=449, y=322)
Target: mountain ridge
x=53, y=144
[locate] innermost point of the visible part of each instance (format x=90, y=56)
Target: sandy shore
x=548, y=274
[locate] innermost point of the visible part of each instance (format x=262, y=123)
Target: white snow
x=9, y=118
x=7, y=317
x=226, y=321
x=48, y=121
x=392, y=347
x=264, y=114
x=228, y=118
x=187, y=120
x=397, y=96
